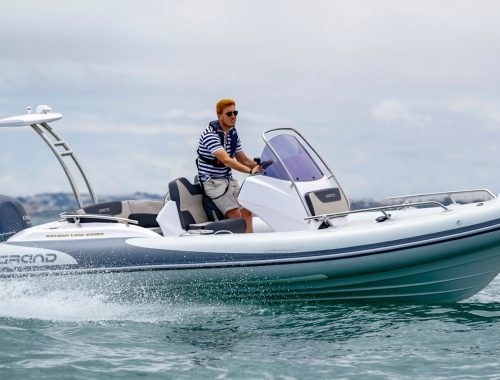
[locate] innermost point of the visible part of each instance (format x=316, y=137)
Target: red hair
x=223, y=103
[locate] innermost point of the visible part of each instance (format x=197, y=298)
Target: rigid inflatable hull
x=443, y=267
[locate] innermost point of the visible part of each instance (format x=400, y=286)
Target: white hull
x=405, y=259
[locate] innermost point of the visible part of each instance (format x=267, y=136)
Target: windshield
x=295, y=157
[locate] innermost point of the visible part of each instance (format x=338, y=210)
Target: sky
x=398, y=96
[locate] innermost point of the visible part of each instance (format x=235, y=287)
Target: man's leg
x=227, y=199
x=242, y=213
x=233, y=214
x=247, y=215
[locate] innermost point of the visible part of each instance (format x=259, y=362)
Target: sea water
x=50, y=328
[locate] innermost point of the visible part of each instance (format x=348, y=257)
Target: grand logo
x=14, y=256
x=28, y=259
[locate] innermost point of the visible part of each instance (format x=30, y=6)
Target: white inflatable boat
x=308, y=244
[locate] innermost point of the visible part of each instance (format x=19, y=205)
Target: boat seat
x=188, y=198
x=143, y=211
x=326, y=201
x=212, y=211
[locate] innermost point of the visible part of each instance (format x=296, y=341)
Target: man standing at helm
x=220, y=151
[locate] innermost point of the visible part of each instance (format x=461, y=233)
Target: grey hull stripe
x=115, y=255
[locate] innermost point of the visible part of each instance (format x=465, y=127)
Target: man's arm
x=244, y=159
x=245, y=167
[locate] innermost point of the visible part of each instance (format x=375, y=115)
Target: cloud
x=391, y=111
x=486, y=109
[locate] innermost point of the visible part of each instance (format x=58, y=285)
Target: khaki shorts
x=215, y=188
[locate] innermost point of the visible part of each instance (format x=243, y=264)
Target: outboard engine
x=13, y=217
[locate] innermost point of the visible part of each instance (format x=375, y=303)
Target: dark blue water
x=62, y=332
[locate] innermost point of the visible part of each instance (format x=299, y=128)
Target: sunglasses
x=230, y=113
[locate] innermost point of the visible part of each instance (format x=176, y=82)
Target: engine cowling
x=13, y=217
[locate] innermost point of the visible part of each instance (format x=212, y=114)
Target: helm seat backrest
x=189, y=201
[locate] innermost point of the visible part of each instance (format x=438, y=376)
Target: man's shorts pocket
x=215, y=188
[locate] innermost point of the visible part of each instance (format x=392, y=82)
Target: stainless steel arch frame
x=54, y=141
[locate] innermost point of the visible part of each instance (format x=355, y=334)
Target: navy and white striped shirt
x=210, y=142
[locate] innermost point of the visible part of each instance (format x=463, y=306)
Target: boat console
x=299, y=184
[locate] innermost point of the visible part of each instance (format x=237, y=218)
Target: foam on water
x=29, y=299
x=87, y=299
x=490, y=294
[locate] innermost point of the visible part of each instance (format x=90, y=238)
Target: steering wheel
x=265, y=164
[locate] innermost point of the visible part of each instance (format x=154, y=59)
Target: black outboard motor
x=13, y=217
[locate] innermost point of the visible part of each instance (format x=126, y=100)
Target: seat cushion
x=326, y=201
x=143, y=211
x=189, y=201
x=237, y=226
